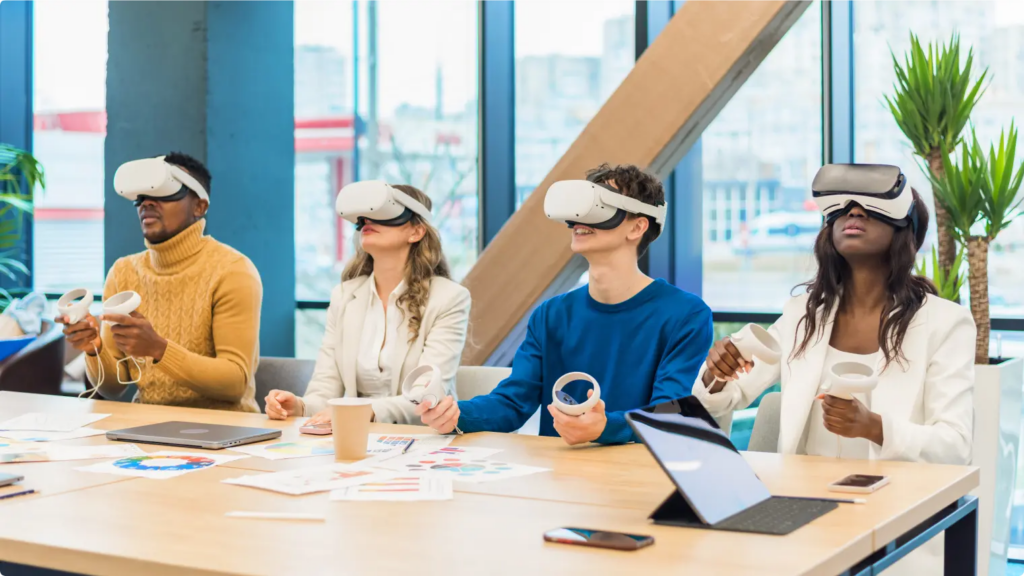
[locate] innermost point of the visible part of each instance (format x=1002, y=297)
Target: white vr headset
x=597, y=205
x=378, y=202
x=878, y=189
x=153, y=178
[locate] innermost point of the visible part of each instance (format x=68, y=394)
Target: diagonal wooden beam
x=686, y=76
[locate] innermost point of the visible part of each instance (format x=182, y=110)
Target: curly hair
x=634, y=183
x=426, y=260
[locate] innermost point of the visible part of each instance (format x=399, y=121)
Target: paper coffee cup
x=350, y=425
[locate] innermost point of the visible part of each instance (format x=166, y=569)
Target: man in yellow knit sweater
x=196, y=334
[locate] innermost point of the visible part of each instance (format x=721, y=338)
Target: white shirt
x=821, y=442
x=377, y=344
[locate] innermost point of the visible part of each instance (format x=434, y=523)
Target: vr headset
x=597, y=205
x=153, y=178
x=877, y=188
x=378, y=202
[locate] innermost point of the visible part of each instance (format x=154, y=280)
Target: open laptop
x=716, y=488
x=194, y=435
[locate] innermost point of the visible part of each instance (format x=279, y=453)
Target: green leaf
x=933, y=96
x=959, y=189
x=1000, y=189
x=948, y=284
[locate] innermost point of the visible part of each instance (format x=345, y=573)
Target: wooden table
x=98, y=524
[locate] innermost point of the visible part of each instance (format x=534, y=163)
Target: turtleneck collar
x=169, y=256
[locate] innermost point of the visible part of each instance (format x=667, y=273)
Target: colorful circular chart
x=164, y=463
x=301, y=449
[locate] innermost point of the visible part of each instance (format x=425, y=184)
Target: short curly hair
x=634, y=183
x=191, y=165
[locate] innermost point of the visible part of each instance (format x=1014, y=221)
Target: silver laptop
x=194, y=435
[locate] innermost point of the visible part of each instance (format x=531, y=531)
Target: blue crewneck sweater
x=645, y=350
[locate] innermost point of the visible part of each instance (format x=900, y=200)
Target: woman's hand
x=282, y=404
x=724, y=363
x=321, y=417
x=851, y=419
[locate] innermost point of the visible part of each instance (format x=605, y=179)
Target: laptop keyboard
x=777, y=515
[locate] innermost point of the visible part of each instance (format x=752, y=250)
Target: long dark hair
x=907, y=291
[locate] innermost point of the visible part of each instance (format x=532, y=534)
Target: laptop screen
x=707, y=469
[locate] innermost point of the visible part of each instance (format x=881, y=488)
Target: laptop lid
x=194, y=434
x=704, y=465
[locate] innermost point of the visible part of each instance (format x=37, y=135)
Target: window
x=759, y=157
x=69, y=130
x=570, y=57
x=995, y=30
x=383, y=91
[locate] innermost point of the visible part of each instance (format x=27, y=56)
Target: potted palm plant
x=981, y=195
x=934, y=96
x=933, y=99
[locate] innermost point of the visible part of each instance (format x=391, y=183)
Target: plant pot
x=997, y=392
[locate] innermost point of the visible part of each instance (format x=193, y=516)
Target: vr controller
x=418, y=392
x=567, y=404
x=849, y=378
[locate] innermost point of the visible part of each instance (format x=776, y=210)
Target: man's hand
x=581, y=429
x=444, y=417
x=135, y=336
x=851, y=419
x=83, y=335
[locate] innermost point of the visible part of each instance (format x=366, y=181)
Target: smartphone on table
x=321, y=429
x=598, y=538
x=8, y=479
x=859, y=484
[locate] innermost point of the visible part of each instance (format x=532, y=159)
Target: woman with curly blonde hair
x=396, y=309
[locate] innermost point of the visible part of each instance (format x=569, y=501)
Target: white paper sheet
x=301, y=448
x=399, y=489
x=161, y=465
x=51, y=422
x=310, y=480
x=37, y=436
x=55, y=453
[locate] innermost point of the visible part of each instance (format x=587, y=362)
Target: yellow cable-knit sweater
x=204, y=298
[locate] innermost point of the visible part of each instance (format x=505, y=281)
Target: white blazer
x=927, y=405
x=441, y=338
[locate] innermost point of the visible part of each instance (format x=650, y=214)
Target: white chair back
x=473, y=381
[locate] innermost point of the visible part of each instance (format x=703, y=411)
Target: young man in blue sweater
x=643, y=340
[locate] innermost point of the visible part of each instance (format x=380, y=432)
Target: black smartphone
x=598, y=538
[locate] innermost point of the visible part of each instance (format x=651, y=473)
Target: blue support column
x=214, y=80
x=250, y=144
x=676, y=255
x=497, y=161
x=837, y=63
x=16, y=106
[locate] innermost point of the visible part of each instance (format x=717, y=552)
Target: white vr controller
x=75, y=305
x=567, y=404
x=430, y=392
x=849, y=378
x=123, y=303
x=752, y=341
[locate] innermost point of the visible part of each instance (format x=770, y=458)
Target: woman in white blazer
x=864, y=304
x=396, y=309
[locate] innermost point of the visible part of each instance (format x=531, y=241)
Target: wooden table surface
x=105, y=524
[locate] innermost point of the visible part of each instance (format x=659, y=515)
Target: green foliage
x=958, y=188
x=933, y=96
x=15, y=164
x=949, y=283
x=1000, y=187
